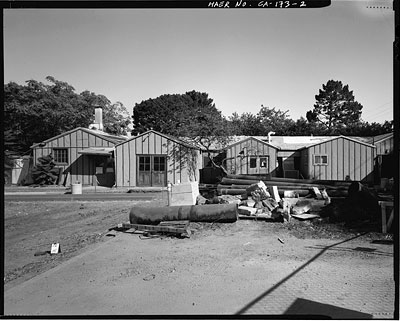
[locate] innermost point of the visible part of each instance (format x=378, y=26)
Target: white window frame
x=59, y=149
x=320, y=163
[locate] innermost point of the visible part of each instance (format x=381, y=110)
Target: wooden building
x=85, y=156
x=154, y=159
x=338, y=158
x=384, y=144
x=252, y=156
x=385, y=166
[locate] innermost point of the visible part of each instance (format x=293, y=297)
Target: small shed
x=338, y=158
x=385, y=166
x=154, y=159
x=384, y=144
x=84, y=155
x=252, y=156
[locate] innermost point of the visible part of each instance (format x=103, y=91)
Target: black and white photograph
x=201, y=159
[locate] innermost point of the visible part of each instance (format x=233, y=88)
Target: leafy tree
x=192, y=117
x=265, y=121
x=116, y=118
x=335, y=107
x=36, y=111
x=164, y=114
x=246, y=124
x=368, y=129
x=304, y=128
x=274, y=120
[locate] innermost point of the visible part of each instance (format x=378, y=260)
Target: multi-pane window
x=320, y=160
x=60, y=155
x=159, y=163
x=144, y=163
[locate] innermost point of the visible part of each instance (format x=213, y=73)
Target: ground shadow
x=348, y=249
x=273, y=288
x=305, y=307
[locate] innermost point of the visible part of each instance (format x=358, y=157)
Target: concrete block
x=185, y=193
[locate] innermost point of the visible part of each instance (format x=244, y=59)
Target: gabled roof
x=169, y=137
x=338, y=137
x=103, y=135
x=256, y=138
x=379, y=138
x=296, y=142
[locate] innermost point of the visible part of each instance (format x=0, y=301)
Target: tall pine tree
x=335, y=108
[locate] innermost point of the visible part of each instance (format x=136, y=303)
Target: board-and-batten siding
x=345, y=158
x=385, y=146
x=238, y=165
x=126, y=157
x=80, y=168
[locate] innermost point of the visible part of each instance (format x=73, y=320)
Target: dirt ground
x=227, y=251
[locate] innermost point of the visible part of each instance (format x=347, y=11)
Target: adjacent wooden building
x=93, y=157
x=154, y=159
x=385, y=166
x=339, y=158
x=252, y=156
x=86, y=156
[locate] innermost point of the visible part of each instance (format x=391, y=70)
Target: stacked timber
x=237, y=185
x=258, y=203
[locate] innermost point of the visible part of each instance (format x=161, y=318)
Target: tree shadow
x=277, y=285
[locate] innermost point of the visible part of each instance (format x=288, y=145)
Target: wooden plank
x=172, y=223
x=275, y=193
x=317, y=193
x=383, y=205
x=305, y=216
x=154, y=228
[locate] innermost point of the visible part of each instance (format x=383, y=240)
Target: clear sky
x=243, y=58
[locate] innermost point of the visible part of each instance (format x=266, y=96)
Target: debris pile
x=282, y=198
x=168, y=228
x=237, y=185
x=361, y=204
x=261, y=202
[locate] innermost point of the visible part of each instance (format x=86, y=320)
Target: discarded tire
x=221, y=213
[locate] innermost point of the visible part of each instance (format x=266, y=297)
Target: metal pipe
x=269, y=136
x=221, y=213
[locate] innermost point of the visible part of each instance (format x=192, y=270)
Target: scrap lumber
x=238, y=189
x=325, y=196
x=292, y=180
x=305, y=216
x=247, y=210
x=308, y=205
x=317, y=193
x=275, y=193
x=232, y=191
x=290, y=194
x=270, y=204
x=178, y=224
x=154, y=228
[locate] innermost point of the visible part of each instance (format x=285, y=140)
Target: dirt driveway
x=237, y=268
